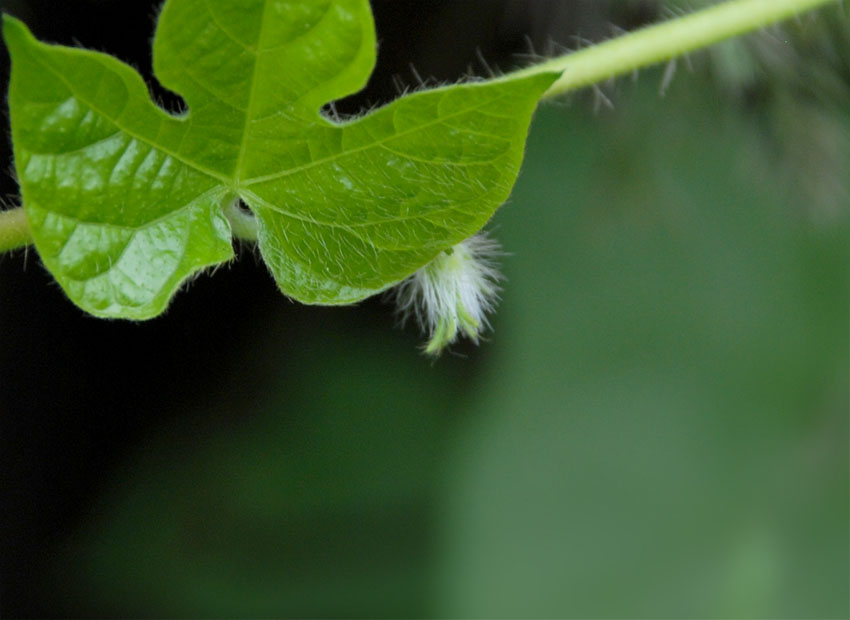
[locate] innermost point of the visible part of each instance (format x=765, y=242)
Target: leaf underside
x=126, y=201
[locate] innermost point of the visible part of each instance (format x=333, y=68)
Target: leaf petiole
x=243, y=223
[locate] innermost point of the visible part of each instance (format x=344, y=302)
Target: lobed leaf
x=126, y=201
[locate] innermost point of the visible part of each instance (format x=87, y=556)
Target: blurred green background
x=658, y=426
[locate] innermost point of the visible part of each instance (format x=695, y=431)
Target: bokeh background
x=657, y=426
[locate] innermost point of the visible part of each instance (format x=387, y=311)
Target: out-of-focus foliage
x=667, y=435
x=658, y=427
x=796, y=78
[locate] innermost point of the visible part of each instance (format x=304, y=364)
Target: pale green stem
x=665, y=41
x=14, y=230
x=242, y=223
x=595, y=64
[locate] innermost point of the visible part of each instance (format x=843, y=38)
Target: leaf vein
x=188, y=73
x=324, y=160
x=438, y=162
x=157, y=220
x=227, y=32
x=130, y=133
x=252, y=96
x=388, y=220
x=299, y=36
x=78, y=149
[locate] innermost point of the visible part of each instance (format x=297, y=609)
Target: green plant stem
x=243, y=224
x=595, y=64
x=665, y=41
x=14, y=230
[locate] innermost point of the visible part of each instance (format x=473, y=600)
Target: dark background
x=684, y=366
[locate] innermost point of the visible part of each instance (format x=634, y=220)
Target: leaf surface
x=126, y=201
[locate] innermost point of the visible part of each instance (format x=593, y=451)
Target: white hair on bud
x=453, y=294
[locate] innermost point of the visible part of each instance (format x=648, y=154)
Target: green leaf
x=126, y=201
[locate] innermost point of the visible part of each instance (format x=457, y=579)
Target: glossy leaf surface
x=126, y=201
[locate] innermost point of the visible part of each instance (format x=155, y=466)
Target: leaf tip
x=14, y=31
x=547, y=78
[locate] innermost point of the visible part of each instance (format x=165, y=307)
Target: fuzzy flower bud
x=453, y=294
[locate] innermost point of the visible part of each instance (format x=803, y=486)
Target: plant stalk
x=243, y=224
x=665, y=41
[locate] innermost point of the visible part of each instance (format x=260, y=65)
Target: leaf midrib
x=116, y=123
x=374, y=143
x=212, y=192
x=249, y=112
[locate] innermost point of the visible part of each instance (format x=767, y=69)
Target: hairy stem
x=666, y=41
x=243, y=224
x=14, y=230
